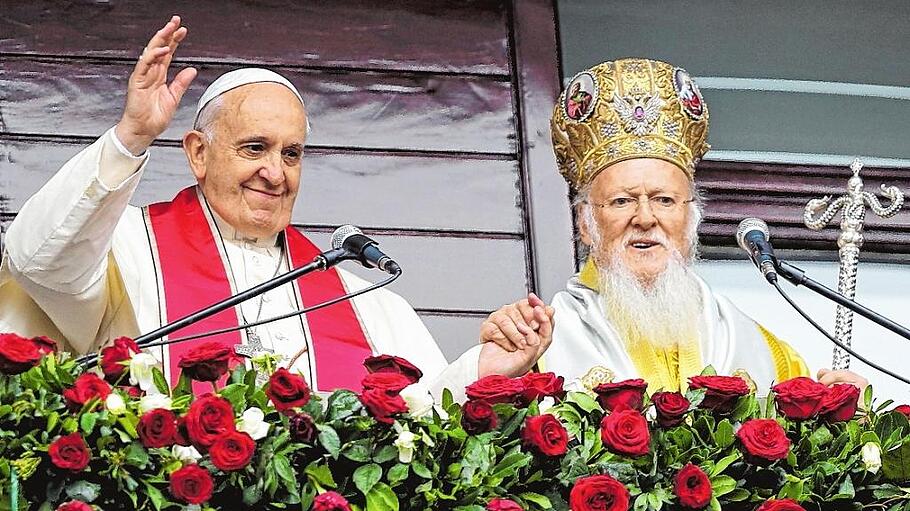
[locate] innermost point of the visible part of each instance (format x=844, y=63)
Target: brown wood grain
x=380, y=191
x=468, y=36
x=356, y=109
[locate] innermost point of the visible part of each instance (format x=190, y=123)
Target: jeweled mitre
x=624, y=109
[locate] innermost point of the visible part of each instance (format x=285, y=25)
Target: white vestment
x=729, y=341
x=78, y=268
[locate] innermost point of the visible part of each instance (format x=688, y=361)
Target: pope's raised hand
x=150, y=101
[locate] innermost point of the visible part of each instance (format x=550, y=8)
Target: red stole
x=190, y=279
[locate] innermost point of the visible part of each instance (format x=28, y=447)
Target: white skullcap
x=239, y=77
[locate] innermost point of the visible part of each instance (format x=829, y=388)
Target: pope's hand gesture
x=150, y=101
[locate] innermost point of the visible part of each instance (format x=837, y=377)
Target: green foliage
x=431, y=462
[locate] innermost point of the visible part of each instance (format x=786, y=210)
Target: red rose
x=69, y=452
x=302, y=428
x=287, y=390
x=45, y=346
x=74, y=505
x=17, y=354
x=904, y=409
x=799, y=398
x=388, y=382
x=625, y=432
x=840, y=403
x=545, y=434
x=181, y=437
x=478, y=416
x=392, y=364
x=780, y=505
x=207, y=361
x=598, y=493
x=330, y=501
x=208, y=418
x=115, y=358
x=383, y=405
x=192, y=484
x=496, y=389
x=157, y=428
x=692, y=487
x=232, y=451
x=540, y=385
x=671, y=407
x=86, y=387
x=629, y=393
x=764, y=439
x=503, y=505
x=721, y=392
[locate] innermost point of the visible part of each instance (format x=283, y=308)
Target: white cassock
x=78, y=268
x=730, y=341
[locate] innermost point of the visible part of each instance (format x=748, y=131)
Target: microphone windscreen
x=342, y=233
x=747, y=225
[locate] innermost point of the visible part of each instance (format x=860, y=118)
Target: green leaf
x=52, y=419
x=87, y=422
x=792, y=489
x=285, y=472
x=896, y=463
x=583, y=400
x=341, y=404
x=845, y=490
x=821, y=437
x=541, y=500
x=155, y=496
x=252, y=494
x=184, y=386
x=722, y=485
x=136, y=455
x=160, y=381
x=83, y=490
x=382, y=498
x=366, y=476
x=399, y=472
x=358, y=450
x=867, y=398
x=722, y=465
x=421, y=470
x=329, y=440
x=321, y=474
x=709, y=371
x=510, y=464
x=723, y=436
x=385, y=454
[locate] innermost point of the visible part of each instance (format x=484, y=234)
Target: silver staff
x=849, y=242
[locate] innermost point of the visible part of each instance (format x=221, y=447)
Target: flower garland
x=122, y=438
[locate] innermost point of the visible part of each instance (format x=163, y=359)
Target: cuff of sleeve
x=122, y=149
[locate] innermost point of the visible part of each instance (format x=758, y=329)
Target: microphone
x=363, y=248
x=752, y=236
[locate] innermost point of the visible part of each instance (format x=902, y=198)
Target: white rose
x=872, y=457
x=115, y=404
x=141, y=372
x=405, y=444
x=152, y=401
x=252, y=422
x=185, y=453
x=419, y=403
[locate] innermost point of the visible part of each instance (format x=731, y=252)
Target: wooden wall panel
x=352, y=109
x=417, y=116
x=368, y=190
x=468, y=36
x=778, y=193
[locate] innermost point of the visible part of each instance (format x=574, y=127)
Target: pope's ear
x=194, y=144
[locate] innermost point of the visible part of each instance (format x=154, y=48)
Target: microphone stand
x=798, y=277
x=321, y=262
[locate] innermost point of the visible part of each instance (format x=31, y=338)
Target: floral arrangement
x=120, y=437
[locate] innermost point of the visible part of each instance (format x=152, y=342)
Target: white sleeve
x=58, y=244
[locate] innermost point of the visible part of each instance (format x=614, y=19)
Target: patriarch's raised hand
x=150, y=101
x=515, y=337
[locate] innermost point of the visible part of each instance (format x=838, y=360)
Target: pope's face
x=250, y=170
x=640, y=210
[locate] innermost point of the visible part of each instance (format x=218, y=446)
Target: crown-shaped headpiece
x=624, y=109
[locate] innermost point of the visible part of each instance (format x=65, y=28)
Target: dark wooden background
x=429, y=125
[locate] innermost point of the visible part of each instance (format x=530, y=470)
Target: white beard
x=664, y=311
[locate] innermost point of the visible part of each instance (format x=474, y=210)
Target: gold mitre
x=624, y=109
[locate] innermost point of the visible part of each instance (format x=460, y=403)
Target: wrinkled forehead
x=642, y=175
